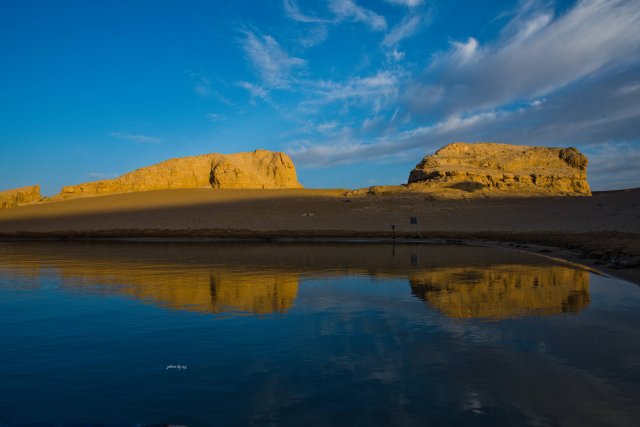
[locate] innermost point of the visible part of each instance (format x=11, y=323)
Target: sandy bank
x=604, y=228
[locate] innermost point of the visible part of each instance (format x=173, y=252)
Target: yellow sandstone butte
x=492, y=167
x=486, y=169
x=259, y=169
x=20, y=196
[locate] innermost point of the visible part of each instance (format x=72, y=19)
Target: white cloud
x=101, y=175
x=406, y=28
x=292, y=10
x=548, y=79
x=376, y=90
x=407, y=3
x=315, y=36
x=140, y=139
x=349, y=10
x=216, y=117
x=567, y=118
x=395, y=55
x=256, y=91
x=614, y=166
x=326, y=126
x=202, y=86
x=269, y=60
x=536, y=55
x=628, y=88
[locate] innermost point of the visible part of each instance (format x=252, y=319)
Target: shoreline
x=558, y=246
x=601, y=232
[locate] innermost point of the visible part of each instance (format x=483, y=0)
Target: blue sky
x=356, y=91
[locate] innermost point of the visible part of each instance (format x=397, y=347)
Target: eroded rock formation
x=20, y=196
x=256, y=169
x=486, y=169
x=492, y=167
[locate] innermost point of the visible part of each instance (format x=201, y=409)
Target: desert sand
x=603, y=229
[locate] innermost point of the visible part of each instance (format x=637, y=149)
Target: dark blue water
x=239, y=334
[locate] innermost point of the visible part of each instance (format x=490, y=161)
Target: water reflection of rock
x=460, y=281
x=258, y=293
x=166, y=281
x=213, y=291
x=501, y=291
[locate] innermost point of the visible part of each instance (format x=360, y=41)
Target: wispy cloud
x=375, y=91
x=202, y=86
x=536, y=55
x=566, y=118
x=292, y=10
x=350, y=10
x=408, y=27
x=256, y=91
x=614, y=165
x=535, y=83
x=101, y=175
x=137, y=138
x=216, y=117
x=315, y=36
x=272, y=64
x=407, y=3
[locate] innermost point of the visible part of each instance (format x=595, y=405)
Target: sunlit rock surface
x=484, y=169
x=20, y=196
x=504, y=167
x=260, y=169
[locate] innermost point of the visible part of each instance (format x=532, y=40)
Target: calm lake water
x=204, y=334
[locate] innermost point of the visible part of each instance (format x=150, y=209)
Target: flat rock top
x=487, y=157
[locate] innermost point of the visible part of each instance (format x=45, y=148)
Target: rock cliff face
x=502, y=168
x=256, y=169
x=20, y=196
